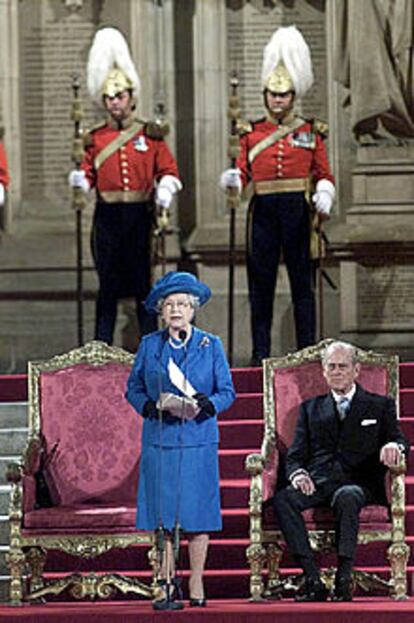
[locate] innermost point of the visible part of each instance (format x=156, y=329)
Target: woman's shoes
x=198, y=603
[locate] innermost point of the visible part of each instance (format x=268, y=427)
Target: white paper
x=178, y=406
x=178, y=379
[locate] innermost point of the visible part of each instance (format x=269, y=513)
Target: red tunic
x=134, y=167
x=284, y=159
x=4, y=172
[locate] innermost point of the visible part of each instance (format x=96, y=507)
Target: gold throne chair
x=288, y=381
x=74, y=490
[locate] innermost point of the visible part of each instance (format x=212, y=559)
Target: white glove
x=2, y=194
x=77, y=179
x=231, y=178
x=324, y=197
x=166, y=189
x=163, y=197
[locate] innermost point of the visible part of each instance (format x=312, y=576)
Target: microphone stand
x=182, y=334
x=162, y=544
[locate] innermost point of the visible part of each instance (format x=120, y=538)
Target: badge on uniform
x=140, y=144
x=306, y=140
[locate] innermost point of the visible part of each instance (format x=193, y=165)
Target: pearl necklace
x=174, y=345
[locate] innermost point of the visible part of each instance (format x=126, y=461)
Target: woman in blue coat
x=179, y=383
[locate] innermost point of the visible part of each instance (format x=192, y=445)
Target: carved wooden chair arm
x=254, y=464
x=32, y=456
x=14, y=473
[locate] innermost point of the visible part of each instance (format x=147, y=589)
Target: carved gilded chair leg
x=16, y=563
x=36, y=558
x=256, y=555
x=274, y=556
x=154, y=561
x=398, y=555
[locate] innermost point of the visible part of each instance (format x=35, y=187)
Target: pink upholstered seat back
x=294, y=384
x=84, y=410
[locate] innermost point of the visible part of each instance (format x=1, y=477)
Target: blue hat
x=174, y=282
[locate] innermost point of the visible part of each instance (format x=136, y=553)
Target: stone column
x=210, y=122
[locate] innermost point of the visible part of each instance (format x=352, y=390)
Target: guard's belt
x=124, y=196
x=290, y=185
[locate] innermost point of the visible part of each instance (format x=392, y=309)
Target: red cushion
x=82, y=517
x=84, y=411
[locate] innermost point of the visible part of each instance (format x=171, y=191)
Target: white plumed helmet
x=287, y=64
x=110, y=69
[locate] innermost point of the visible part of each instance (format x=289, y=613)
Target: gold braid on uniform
x=243, y=127
x=320, y=127
x=156, y=128
x=87, y=133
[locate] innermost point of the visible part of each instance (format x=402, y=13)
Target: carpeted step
x=232, y=462
x=223, y=553
x=235, y=492
x=234, y=583
x=409, y=487
x=13, y=387
x=245, y=407
x=241, y=433
x=247, y=380
x=407, y=402
x=407, y=375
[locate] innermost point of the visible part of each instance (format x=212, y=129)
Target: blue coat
x=206, y=368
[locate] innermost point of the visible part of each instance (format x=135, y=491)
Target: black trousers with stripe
x=121, y=247
x=279, y=223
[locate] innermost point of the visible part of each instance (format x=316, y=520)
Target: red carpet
x=227, y=571
x=218, y=611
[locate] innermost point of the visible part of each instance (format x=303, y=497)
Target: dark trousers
x=279, y=222
x=346, y=502
x=121, y=246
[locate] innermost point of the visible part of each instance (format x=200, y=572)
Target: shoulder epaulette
x=320, y=127
x=156, y=128
x=243, y=127
x=87, y=133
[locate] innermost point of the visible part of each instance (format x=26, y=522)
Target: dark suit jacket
x=345, y=452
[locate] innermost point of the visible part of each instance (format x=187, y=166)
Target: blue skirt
x=189, y=489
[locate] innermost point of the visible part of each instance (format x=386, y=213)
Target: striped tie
x=343, y=407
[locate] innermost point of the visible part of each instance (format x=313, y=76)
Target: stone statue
x=374, y=60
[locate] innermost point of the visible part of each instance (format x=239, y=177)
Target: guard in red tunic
x=284, y=156
x=127, y=162
x=4, y=174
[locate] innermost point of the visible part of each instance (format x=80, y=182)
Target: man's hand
x=323, y=198
x=166, y=189
x=390, y=454
x=77, y=179
x=304, y=483
x=231, y=178
x=163, y=197
x=2, y=194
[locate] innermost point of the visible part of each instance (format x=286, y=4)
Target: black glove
x=150, y=410
x=205, y=404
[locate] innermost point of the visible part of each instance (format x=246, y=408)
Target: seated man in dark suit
x=344, y=442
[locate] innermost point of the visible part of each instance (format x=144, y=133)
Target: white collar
x=337, y=397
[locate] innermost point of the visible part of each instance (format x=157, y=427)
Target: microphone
x=182, y=334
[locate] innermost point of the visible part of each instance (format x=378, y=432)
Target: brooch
x=205, y=341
